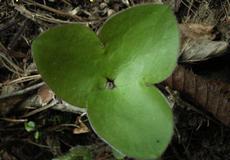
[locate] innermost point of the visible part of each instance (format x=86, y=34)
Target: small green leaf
x=29, y=126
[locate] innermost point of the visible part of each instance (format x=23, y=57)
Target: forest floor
x=32, y=128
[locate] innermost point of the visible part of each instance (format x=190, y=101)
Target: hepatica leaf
x=136, y=119
x=67, y=58
x=109, y=75
x=142, y=40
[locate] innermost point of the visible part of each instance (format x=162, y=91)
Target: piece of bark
x=213, y=96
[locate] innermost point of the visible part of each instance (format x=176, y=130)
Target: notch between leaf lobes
x=110, y=83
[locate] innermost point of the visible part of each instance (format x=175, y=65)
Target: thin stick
x=17, y=35
x=24, y=79
x=36, y=144
x=2, y=48
x=40, y=109
x=9, y=24
x=69, y=108
x=23, y=91
x=15, y=69
x=14, y=120
x=50, y=9
x=38, y=18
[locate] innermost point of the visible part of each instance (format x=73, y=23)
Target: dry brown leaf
x=197, y=31
x=42, y=98
x=201, y=50
x=82, y=127
x=197, y=43
x=45, y=95
x=213, y=96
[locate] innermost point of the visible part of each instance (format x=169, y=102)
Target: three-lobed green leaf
x=110, y=75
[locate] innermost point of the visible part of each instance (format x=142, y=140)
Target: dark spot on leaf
x=157, y=141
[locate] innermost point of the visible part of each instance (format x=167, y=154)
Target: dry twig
x=65, y=107
x=12, y=120
x=39, y=18
x=24, y=79
x=9, y=64
x=23, y=91
x=50, y=9
x=40, y=109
